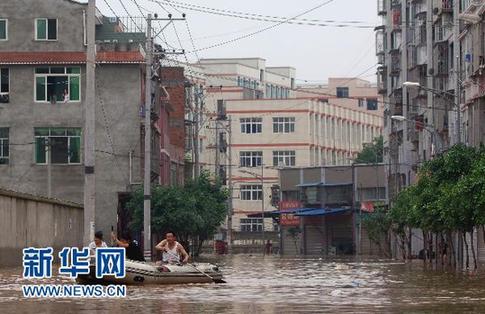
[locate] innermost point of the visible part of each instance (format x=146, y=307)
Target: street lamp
x=427, y=127
x=455, y=105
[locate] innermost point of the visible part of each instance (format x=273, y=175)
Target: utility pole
x=89, y=128
x=198, y=114
x=217, y=161
x=458, y=99
x=147, y=241
x=230, y=205
x=49, y=169
x=262, y=207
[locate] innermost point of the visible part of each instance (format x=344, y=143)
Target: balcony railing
x=381, y=80
x=381, y=7
x=396, y=18
x=447, y=5
x=380, y=42
x=395, y=64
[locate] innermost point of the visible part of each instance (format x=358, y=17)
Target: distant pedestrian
x=269, y=247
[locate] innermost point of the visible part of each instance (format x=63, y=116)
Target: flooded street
x=280, y=285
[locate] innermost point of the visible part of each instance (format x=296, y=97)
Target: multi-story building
x=431, y=56
x=43, y=84
x=417, y=50
x=256, y=124
x=472, y=44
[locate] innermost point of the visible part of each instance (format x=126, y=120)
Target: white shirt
x=92, y=247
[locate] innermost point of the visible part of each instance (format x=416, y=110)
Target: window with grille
x=251, y=224
x=284, y=158
x=57, y=84
x=4, y=146
x=251, y=159
x=251, y=192
x=283, y=125
x=57, y=145
x=251, y=125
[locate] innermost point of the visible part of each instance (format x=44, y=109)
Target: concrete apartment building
x=417, y=75
x=262, y=126
x=43, y=66
x=430, y=74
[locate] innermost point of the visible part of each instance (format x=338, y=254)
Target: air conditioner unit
x=4, y=98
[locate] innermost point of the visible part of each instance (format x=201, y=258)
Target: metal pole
x=262, y=206
x=196, y=135
x=230, y=205
x=147, y=243
x=49, y=169
x=217, y=166
x=89, y=128
x=458, y=99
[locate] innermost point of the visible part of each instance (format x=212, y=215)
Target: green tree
x=193, y=211
x=372, y=152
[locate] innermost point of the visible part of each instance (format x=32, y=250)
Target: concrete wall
x=21, y=15
x=27, y=220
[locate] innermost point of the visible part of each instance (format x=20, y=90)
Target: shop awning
x=306, y=212
x=311, y=184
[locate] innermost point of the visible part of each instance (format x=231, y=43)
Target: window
x=342, y=92
x=46, y=29
x=4, y=146
x=4, y=85
x=3, y=29
x=372, y=104
x=251, y=125
x=251, y=159
x=63, y=144
x=252, y=192
x=53, y=84
x=361, y=102
x=284, y=125
x=251, y=224
x=284, y=158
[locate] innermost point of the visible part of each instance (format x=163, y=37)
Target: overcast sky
x=316, y=52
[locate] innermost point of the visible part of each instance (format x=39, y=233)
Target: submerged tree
x=193, y=211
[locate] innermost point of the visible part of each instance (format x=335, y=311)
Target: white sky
x=316, y=52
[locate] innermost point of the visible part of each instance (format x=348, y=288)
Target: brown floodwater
x=273, y=284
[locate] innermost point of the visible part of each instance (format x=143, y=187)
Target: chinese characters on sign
x=37, y=262
x=287, y=217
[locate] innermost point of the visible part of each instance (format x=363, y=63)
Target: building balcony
x=382, y=80
x=396, y=18
x=380, y=42
x=381, y=7
x=442, y=34
x=395, y=64
x=397, y=109
x=470, y=6
x=395, y=3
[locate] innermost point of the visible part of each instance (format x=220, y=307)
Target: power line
x=260, y=30
x=260, y=17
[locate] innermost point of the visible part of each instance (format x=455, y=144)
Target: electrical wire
x=260, y=30
x=261, y=17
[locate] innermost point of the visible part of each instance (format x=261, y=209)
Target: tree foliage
x=192, y=211
x=449, y=196
x=372, y=153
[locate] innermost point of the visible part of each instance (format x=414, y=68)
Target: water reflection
x=280, y=285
